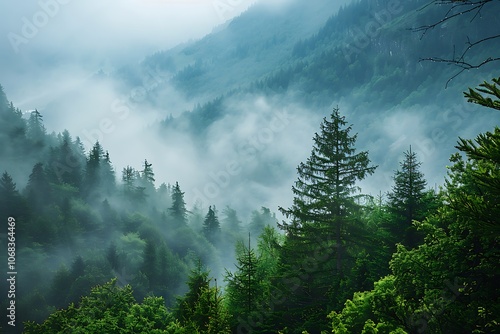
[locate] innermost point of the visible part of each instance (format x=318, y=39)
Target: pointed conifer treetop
x=409, y=187
x=327, y=180
x=178, y=209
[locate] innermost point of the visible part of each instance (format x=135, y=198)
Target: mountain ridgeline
x=366, y=50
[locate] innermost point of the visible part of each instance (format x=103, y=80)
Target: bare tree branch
x=477, y=6
x=459, y=8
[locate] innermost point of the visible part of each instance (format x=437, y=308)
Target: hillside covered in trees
x=417, y=260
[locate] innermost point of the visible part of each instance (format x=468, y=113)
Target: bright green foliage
x=244, y=290
x=376, y=311
x=448, y=284
x=108, y=309
x=486, y=175
x=202, y=309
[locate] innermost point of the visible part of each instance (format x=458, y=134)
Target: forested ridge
x=413, y=260
x=368, y=50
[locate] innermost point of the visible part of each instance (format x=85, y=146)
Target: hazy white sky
x=37, y=36
x=107, y=28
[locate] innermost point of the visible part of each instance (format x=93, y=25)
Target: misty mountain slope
x=247, y=48
x=391, y=98
x=342, y=59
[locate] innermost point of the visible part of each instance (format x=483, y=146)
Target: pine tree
x=406, y=201
x=38, y=190
x=132, y=192
x=202, y=309
x=197, y=281
x=147, y=173
x=36, y=129
x=65, y=165
x=107, y=175
x=211, y=226
x=261, y=219
x=323, y=231
x=113, y=257
x=93, y=177
x=148, y=178
x=230, y=220
x=325, y=190
x=244, y=289
x=11, y=203
x=7, y=186
x=178, y=210
x=150, y=264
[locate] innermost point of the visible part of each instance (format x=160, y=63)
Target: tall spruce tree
x=11, y=203
x=107, y=175
x=244, y=289
x=92, y=178
x=325, y=192
x=211, y=225
x=406, y=201
x=148, y=178
x=324, y=226
x=178, y=210
x=36, y=129
x=38, y=190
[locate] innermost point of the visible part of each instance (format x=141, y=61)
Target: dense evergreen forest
x=416, y=260
x=101, y=250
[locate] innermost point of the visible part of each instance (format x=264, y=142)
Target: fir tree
x=11, y=203
x=211, y=226
x=230, y=220
x=324, y=226
x=406, y=201
x=178, y=210
x=93, y=177
x=261, y=219
x=150, y=264
x=36, y=129
x=326, y=187
x=107, y=175
x=244, y=289
x=38, y=190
